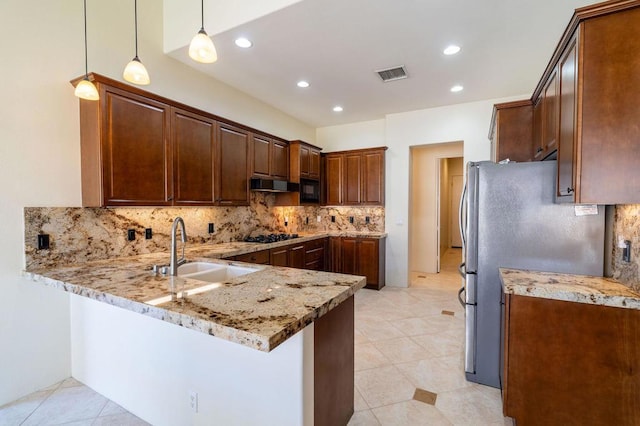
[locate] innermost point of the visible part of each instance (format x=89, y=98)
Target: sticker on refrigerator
x=586, y=210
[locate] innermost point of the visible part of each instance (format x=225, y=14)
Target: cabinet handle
x=539, y=151
x=170, y=198
x=569, y=190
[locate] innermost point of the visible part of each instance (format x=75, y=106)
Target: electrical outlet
x=626, y=251
x=211, y=228
x=306, y=221
x=333, y=218
x=148, y=233
x=350, y=219
x=131, y=234
x=43, y=241
x=319, y=219
x=193, y=401
x=367, y=220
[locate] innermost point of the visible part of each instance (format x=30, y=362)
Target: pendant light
x=85, y=89
x=201, y=48
x=135, y=72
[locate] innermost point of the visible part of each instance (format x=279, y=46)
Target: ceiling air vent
x=391, y=74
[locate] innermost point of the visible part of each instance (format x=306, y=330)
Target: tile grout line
x=51, y=392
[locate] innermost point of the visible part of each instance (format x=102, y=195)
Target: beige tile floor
x=407, y=339
x=403, y=342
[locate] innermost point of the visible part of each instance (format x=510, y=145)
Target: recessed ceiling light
x=303, y=84
x=451, y=50
x=457, y=88
x=245, y=43
x=337, y=108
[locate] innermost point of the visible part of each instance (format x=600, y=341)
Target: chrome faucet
x=175, y=262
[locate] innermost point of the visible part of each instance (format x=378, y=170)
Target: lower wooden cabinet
x=345, y=255
x=360, y=256
x=260, y=257
x=569, y=363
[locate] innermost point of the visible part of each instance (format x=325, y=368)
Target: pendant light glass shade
x=202, y=49
x=85, y=89
x=135, y=72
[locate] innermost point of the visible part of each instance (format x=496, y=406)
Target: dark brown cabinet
x=140, y=149
x=304, y=161
x=334, y=179
x=270, y=158
x=569, y=363
x=511, y=131
x=232, y=183
x=129, y=161
x=194, y=152
x=291, y=256
x=588, y=117
x=360, y=256
x=355, y=177
x=261, y=257
x=315, y=252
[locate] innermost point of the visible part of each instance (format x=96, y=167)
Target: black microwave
x=309, y=191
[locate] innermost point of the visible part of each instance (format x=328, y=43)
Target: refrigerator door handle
x=470, y=339
x=462, y=217
x=460, y=299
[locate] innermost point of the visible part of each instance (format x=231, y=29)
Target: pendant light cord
x=86, y=61
x=202, y=14
x=135, y=14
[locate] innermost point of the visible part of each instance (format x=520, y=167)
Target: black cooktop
x=270, y=238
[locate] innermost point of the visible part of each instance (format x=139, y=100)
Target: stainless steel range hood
x=273, y=185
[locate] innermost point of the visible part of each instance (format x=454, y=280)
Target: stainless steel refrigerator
x=509, y=218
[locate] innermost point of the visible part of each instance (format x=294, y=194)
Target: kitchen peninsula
x=282, y=339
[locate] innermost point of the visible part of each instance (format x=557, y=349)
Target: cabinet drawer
x=260, y=257
x=314, y=244
x=313, y=255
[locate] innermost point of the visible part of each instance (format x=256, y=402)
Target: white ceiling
x=337, y=45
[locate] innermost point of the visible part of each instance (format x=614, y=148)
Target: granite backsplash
x=626, y=226
x=78, y=234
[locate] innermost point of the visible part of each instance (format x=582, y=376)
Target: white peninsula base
x=152, y=368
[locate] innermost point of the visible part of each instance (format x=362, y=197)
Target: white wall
x=40, y=149
x=463, y=122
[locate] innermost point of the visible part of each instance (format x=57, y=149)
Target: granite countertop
x=568, y=287
x=260, y=310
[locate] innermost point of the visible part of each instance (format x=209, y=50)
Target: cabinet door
x=296, y=256
x=536, y=145
x=261, y=156
x=279, y=256
x=305, y=161
x=232, y=186
x=136, y=151
x=352, y=179
x=368, y=264
x=566, y=144
x=373, y=178
x=335, y=250
x=314, y=164
x=349, y=258
x=193, y=145
x=280, y=159
x=334, y=180
x=551, y=115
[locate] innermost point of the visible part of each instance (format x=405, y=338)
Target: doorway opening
x=436, y=179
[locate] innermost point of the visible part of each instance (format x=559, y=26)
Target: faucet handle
x=160, y=269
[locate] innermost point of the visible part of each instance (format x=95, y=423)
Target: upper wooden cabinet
x=194, y=139
x=355, y=177
x=140, y=149
x=593, y=81
x=270, y=157
x=127, y=162
x=304, y=160
x=232, y=166
x=511, y=131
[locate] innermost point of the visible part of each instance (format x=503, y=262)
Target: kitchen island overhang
x=152, y=367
